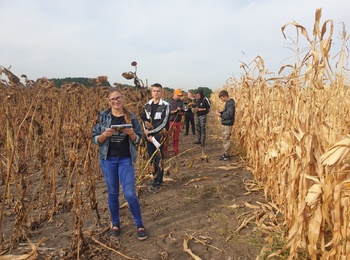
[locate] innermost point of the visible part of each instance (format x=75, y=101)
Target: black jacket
x=203, y=102
x=160, y=119
x=228, y=114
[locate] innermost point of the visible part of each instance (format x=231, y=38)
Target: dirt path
x=199, y=205
x=193, y=204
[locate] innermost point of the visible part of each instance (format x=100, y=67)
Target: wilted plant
x=48, y=164
x=286, y=124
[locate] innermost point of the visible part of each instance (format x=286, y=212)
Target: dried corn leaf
x=18, y=257
x=298, y=151
x=264, y=206
x=203, y=242
x=31, y=256
x=204, y=156
x=248, y=205
x=313, y=195
x=167, y=168
x=227, y=168
x=198, y=179
x=235, y=206
x=109, y=248
x=314, y=232
x=298, y=133
x=346, y=184
x=190, y=164
x=272, y=153
x=315, y=179
x=176, y=168
x=337, y=152
x=298, y=26
x=188, y=250
x=167, y=179
x=245, y=223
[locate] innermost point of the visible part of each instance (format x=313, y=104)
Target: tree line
x=92, y=82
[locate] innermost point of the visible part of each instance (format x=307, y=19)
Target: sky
x=178, y=43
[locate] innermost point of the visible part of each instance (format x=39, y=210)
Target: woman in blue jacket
x=117, y=154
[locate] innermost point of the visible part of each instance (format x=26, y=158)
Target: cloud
x=187, y=43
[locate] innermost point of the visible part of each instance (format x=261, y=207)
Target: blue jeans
x=115, y=170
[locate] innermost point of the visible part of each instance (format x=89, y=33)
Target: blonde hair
x=127, y=115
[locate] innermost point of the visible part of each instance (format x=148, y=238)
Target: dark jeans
x=189, y=119
x=157, y=162
x=115, y=170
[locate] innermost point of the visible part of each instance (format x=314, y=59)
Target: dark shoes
x=115, y=231
x=155, y=187
x=150, y=183
x=141, y=233
x=224, y=157
x=201, y=143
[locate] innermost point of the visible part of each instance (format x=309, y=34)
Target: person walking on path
x=154, y=119
x=189, y=103
x=202, y=107
x=176, y=107
x=117, y=154
x=227, y=120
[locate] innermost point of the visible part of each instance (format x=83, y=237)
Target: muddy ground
x=199, y=206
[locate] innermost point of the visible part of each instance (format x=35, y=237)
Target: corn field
x=295, y=130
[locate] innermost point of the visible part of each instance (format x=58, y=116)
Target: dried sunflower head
x=128, y=75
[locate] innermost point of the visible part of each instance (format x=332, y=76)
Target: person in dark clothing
x=202, y=107
x=190, y=103
x=154, y=119
x=227, y=120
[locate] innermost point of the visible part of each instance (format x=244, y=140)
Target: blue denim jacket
x=105, y=120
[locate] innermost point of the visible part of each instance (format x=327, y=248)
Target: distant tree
x=171, y=90
x=125, y=86
x=207, y=91
x=87, y=82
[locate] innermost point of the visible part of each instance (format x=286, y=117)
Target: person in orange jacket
x=176, y=107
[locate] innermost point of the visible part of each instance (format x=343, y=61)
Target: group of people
x=118, y=131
